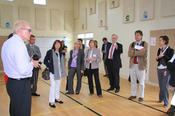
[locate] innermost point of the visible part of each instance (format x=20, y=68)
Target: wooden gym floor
x=84, y=105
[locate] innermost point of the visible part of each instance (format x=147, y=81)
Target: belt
x=18, y=78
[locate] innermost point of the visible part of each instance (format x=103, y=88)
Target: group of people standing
x=137, y=67
x=87, y=63
x=21, y=62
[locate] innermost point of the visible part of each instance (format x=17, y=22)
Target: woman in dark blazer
x=171, y=68
x=164, y=54
x=92, y=60
x=55, y=62
x=75, y=65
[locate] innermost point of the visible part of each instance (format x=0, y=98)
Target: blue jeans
x=164, y=85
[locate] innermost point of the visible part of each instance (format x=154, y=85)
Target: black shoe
x=69, y=93
x=91, y=94
x=35, y=94
x=117, y=90
x=60, y=102
x=171, y=110
x=110, y=89
x=132, y=97
x=171, y=114
x=52, y=105
x=160, y=101
x=77, y=93
x=140, y=99
x=105, y=75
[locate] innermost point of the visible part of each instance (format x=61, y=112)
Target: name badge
x=94, y=55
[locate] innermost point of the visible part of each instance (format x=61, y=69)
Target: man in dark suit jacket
x=104, y=51
x=114, y=64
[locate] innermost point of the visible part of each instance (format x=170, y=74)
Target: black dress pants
x=34, y=80
x=95, y=73
x=20, y=97
x=71, y=74
x=114, y=76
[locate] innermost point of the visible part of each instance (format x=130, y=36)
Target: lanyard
x=164, y=50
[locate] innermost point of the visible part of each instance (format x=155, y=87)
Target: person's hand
x=142, y=49
x=160, y=56
x=64, y=51
x=82, y=71
x=36, y=63
x=31, y=58
x=90, y=59
x=104, y=51
x=93, y=59
x=165, y=73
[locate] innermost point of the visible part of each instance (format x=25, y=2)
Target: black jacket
x=48, y=60
x=103, y=48
x=171, y=68
x=80, y=59
x=167, y=56
x=116, y=55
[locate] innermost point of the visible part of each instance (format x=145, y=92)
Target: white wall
x=62, y=5
x=126, y=31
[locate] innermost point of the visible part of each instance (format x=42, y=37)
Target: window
x=89, y=35
x=86, y=38
x=8, y=0
x=39, y=2
x=81, y=36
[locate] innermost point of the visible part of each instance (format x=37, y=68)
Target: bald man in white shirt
x=18, y=67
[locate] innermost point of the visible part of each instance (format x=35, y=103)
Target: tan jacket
x=142, y=56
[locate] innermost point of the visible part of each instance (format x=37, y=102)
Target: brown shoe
x=140, y=99
x=132, y=97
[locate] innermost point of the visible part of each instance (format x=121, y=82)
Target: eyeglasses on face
x=27, y=29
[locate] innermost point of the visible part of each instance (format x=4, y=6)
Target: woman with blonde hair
x=75, y=65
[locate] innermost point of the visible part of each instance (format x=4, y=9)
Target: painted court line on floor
x=131, y=100
x=71, y=108
x=98, y=114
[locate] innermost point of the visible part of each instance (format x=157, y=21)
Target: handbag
x=46, y=74
x=86, y=72
x=129, y=79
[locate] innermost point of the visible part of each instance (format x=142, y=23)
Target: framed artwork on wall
x=128, y=11
x=92, y=7
x=102, y=13
x=146, y=9
x=6, y=21
x=83, y=18
x=114, y=4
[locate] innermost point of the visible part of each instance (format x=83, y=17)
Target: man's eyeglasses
x=27, y=29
